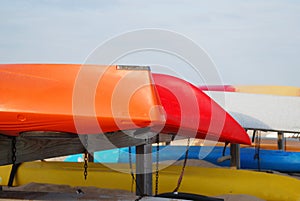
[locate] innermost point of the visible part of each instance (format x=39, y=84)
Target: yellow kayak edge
x=198, y=180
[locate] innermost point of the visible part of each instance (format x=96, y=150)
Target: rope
x=183, y=167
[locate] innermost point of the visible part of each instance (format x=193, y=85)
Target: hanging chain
x=86, y=158
x=157, y=165
x=14, y=150
x=184, y=165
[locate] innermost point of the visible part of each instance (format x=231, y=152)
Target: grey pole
x=281, y=141
x=144, y=170
x=235, y=161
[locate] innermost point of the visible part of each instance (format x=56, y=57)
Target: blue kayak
x=276, y=160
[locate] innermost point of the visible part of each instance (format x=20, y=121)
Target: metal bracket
x=125, y=67
x=281, y=141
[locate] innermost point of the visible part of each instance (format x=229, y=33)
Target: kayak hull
x=71, y=98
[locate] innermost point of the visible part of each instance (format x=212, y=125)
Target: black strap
x=253, y=136
x=13, y=173
x=224, y=149
x=188, y=196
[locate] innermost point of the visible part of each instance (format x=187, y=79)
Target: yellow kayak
x=271, y=90
x=255, y=89
x=197, y=180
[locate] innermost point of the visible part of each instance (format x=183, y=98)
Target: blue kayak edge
x=275, y=160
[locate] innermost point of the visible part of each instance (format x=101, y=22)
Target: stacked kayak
x=94, y=99
x=266, y=160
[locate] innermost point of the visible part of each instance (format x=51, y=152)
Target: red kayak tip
x=192, y=113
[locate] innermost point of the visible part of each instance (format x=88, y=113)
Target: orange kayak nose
x=192, y=113
x=88, y=99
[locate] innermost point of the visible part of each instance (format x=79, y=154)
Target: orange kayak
x=68, y=98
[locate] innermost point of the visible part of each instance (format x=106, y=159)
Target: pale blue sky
x=251, y=42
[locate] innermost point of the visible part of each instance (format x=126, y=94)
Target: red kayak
x=190, y=112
